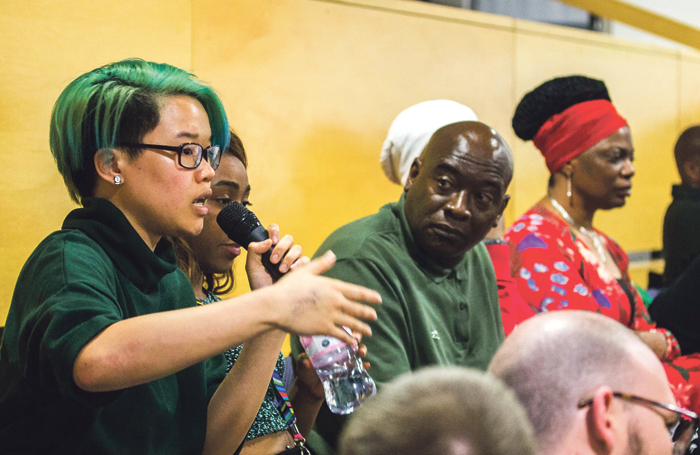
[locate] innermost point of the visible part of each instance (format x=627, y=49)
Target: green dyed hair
x=115, y=104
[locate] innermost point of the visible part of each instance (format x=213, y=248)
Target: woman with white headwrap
x=408, y=135
x=410, y=132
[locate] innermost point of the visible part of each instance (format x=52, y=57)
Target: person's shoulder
x=683, y=211
x=537, y=221
x=365, y=237
x=71, y=251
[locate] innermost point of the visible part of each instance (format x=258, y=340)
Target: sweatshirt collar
x=104, y=223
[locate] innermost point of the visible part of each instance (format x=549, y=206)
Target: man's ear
x=504, y=204
x=413, y=173
x=107, y=164
x=603, y=421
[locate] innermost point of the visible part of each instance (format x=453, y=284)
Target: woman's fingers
x=273, y=231
x=342, y=335
x=319, y=265
x=301, y=262
x=355, y=325
x=260, y=247
x=362, y=350
x=358, y=337
x=292, y=256
x=357, y=293
x=359, y=311
x=282, y=248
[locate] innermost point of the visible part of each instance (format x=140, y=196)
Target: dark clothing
x=681, y=232
x=94, y=272
x=677, y=308
x=429, y=315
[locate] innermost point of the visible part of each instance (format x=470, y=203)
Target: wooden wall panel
x=312, y=88
x=44, y=45
x=643, y=84
x=689, y=93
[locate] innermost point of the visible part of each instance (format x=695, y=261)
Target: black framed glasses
x=681, y=433
x=189, y=154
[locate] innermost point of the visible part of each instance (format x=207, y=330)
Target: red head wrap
x=568, y=134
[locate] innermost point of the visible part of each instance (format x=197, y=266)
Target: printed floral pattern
x=557, y=271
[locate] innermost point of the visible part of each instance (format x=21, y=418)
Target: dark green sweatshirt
x=94, y=272
x=429, y=315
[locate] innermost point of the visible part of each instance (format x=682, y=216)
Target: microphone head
x=237, y=222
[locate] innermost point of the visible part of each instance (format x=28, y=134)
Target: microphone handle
x=272, y=269
x=258, y=235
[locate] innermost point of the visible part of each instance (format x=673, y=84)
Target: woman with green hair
x=104, y=349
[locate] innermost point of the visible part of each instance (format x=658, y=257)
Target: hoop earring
x=118, y=180
x=568, y=190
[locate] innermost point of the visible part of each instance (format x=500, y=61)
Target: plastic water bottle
x=345, y=382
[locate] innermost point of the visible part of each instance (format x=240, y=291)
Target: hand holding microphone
x=243, y=227
x=304, y=303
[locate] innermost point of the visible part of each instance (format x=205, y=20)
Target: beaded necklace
x=592, y=235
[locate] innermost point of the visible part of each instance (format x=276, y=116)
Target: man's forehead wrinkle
x=490, y=173
x=491, y=164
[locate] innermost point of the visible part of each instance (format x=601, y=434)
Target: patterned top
x=556, y=270
x=269, y=420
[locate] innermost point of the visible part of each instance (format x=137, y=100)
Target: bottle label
x=318, y=346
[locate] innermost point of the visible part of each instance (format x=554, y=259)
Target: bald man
x=422, y=254
x=682, y=220
x=589, y=386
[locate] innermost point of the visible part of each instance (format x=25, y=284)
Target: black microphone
x=242, y=226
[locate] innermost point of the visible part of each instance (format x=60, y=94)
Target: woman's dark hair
x=554, y=97
x=216, y=283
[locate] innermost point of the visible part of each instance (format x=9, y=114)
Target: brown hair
x=440, y=410
x=216, y=283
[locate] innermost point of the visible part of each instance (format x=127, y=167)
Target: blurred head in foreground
x=588, y=385
x=447, y=411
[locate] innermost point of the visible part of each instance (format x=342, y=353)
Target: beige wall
x=44, y=44
x=312, y=86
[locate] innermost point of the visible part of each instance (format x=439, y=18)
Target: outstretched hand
x=314, y=305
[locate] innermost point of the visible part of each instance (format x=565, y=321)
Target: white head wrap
x=411, y=131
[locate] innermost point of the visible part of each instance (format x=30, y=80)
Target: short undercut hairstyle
x=445, y=411
x=551, y=371
x=115, y=104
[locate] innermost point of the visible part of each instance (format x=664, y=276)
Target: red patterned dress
x=555, y=270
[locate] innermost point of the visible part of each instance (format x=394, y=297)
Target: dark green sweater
x=681, y=232
x=94, y=272
x=429, y=315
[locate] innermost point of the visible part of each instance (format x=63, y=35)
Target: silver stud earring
x=117, y=179
x=568, y=188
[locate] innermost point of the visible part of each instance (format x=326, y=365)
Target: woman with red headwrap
x=562, y=261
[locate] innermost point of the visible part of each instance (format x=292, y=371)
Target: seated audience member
x=207, y=259
x=682, y=220
x=104, y=349
x=677, y=307
x=589, y=386
x=424, y=255
x=564, y=263
x=408, y=135
x=440, y=411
